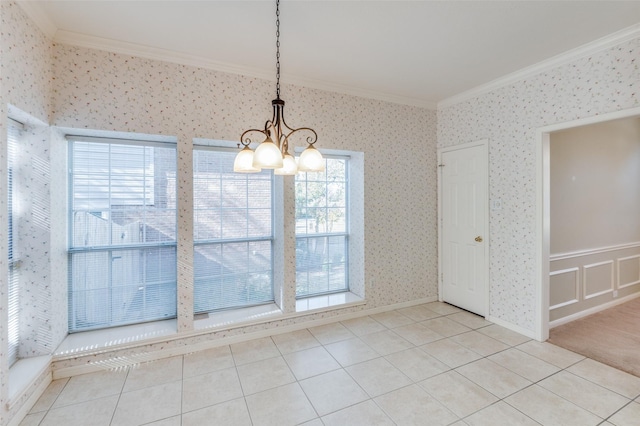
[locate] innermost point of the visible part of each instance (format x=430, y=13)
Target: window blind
x=233, y=233
x=322, y=226
x=123, y=232
x=13, y=142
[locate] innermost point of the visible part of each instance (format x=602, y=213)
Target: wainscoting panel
x=587, y=280
x=566, y=285
x=598, y=279
x=628, y=271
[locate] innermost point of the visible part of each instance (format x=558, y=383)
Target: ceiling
x=412, y=52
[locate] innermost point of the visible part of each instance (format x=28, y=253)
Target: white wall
x=595, y=186
x=509, y=117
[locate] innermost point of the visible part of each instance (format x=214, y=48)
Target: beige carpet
x=611, y=336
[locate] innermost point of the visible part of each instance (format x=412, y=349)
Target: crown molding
x=35, y=12
x=132, y=49
x=39, y=17
x=591, y=48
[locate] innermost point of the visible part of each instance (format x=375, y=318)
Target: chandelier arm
x=267, y=125
x=276, y=130
x=247, y=141
x=310, y=139
x=284, y=122
x=272, y=131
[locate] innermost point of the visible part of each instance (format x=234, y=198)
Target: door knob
x=478, y=239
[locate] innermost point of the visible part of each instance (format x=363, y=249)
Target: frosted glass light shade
x=289, y=166
x=267, y=156
x=311, y=160
x=244, y=162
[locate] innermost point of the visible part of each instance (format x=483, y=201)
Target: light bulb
x=267, y=156
x=289, y=166
x=244, y=162
x=311, y=160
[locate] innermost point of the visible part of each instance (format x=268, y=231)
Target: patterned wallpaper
x=25, y=74
x=107, y=91
x=32, y=176
x=82, y=88
x=509, y=117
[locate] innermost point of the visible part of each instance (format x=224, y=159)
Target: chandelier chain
x=278, y=49
x=273, y=151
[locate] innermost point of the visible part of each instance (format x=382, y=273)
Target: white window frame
x=222, y=146
x=112, y=249
x=346, y=234
x=14, y=134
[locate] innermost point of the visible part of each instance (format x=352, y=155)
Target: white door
x=464, y=245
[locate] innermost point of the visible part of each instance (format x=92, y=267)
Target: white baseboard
x=119, y=361
x=590, y=311
x=502, y=323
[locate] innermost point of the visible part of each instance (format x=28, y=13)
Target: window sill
x=23, y=374
x=98, y=340
x=328, y=301
x=238, y=317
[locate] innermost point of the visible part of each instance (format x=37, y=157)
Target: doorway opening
x=544, y=249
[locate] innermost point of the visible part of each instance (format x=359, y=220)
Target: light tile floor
x=430, y=364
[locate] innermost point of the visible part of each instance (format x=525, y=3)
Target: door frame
x=484, y=143
x=543, y=209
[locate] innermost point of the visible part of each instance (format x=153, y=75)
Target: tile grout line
x=413, y=382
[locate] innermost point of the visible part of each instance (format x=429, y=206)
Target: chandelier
x=273, y=151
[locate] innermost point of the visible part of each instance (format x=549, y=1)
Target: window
x=322, y=229
x=122, y=232
x=14, y=132
x=233, y=233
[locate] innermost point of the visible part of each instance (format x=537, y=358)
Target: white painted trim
x=595, y=309
x=596, y=46
x=466, y=145
x=543, y=232
x=563, y=271
x=165, y=55
x=485, y=144
x=576, y=289
x=563, y=304
x=595, y=119
x=23, y=375
x=628, y=284
x=589, y=252
x=325, y=304
x=19, y=416
x=122, y=361
x=543, y=215
x=618, y=262
x=439, y=219
x=600, y=293
x=584, y=279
